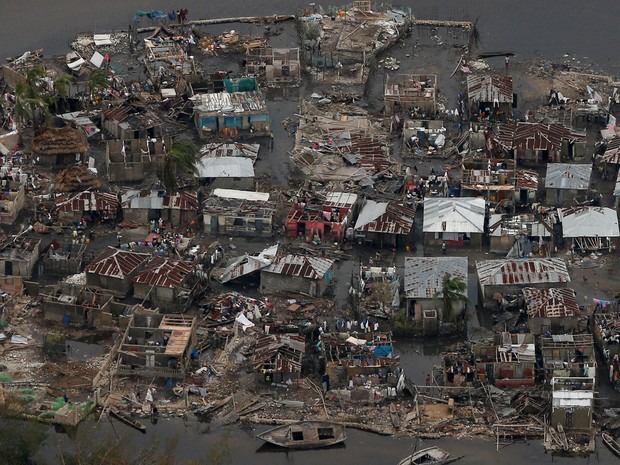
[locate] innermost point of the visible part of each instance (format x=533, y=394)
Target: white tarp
x=97, y=59
x=243, y=321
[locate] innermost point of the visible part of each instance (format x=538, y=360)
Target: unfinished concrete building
x=571, y=355
x=12, y=199
x=406, y=92
x=239, y=213
x=18, y=256
x=490, y=178
x=132, y=160
x=156, y=346
x=131, y=121
x=75, y=307
x=274, y=66
x=63, y=258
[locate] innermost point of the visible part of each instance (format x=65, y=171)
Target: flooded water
x=586, y=32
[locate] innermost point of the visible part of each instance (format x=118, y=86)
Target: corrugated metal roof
x=118, y=114
x=550, y=303
x=225, y=167
x=116, y=263
x=589, y=222
x=285, y=351
x=568, y=176
x=241, y=195
x=524, y=271
x=229, y=102
x=489, y=88
x=139, y=199
x=537, y=136
x=87, y=201
x=340, y=199
x=526, y=179
x=612, y=152
x=300, y=265
x=528, y=224
x=424, y=275
x=459, y=215
x=385, y=218
x=164, y=272
x=183, y=200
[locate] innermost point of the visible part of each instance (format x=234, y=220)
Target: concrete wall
x=581, y=418
x=273, y=282
x=243, y=184
x=19, y=267
x=563, y=197
x=562, y=325
x=430, y=240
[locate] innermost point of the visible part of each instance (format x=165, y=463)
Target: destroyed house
x=59, y=146
x=509, y=362
x=328, y=217
x=238, y=108
x=386, y=279
x=165, y=61
x=551, y=309
x=12, y=199
x=572, y=402
x=113, y=269
x=541, y=142
x=606, y=329
x=239, y=213
x=67, y=258
x=590, y=228
x=423, y=283
x=509, y=277
x=457, y=221
x=493, y=179
x=237, y=149
x=297, y=273
x=526, y=186
x=156, y=346
x=245, y=265
x=132, y=160
x=490, y=93
x=405, y=92
x=18, y=256
x=384, y=223
x=365, y=356
x=617, y=191
x=163, y=281
x=612, y=151
x=81, y=308
x=274, y=66
x=131, y=121
x=527, y=229
x=96, y=206
x=278, y=357
x=226, y=172
x=565, y=183
x=568, y=355
x=176, y=209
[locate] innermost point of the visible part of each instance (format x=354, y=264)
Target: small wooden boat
x=611, y=444
x=429, y=456
x=305, y=435
x=394, y=417
x=126, y=418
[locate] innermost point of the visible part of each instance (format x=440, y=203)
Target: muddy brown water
x=586, y=32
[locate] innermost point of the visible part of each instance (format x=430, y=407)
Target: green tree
x=452, y=293
x=61, y=90
x=29, y=101
x=20, y=440
x=97, y=80
x=180, y=160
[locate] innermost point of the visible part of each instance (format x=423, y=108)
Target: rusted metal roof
x=568, y=176
x=522, y=271
x=424, y=275
x=385, y=218
x=536, y=136
x=526, y=179
x=282, y=352
x=118, y=114
x=181, y=201
x=116, y=263
x=458, y=215
x=550, y=303
x=301, y=266
x=612, y=152
x=164, y=272
x=87, y=202
x=489, y=88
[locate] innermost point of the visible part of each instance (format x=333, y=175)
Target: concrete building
x=565, y=183
x=590, y=228
x=490, y=94
x=572, y=402
x=274, y=66
x=423, y=282
x=405, y=92
x=568, y=355
x=457, y=221
x=18, y=256
x=163, y=282
x=384, y=224
x=509, y=277
x=113, y=269
x=297, y=273
x=239, y=213
x=551, y=309
x=533, y=232
x=128, y=121
x=157, y=346
x=12, y=198
x=226, y=172
x=277, y=358
x=132, y=160
x=175, y=209
x=79, y=308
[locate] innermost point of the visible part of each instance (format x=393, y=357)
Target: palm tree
x=452, y=293
x=97, y=80
x=29, y=102
x=61, y=88
x=180, y=160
